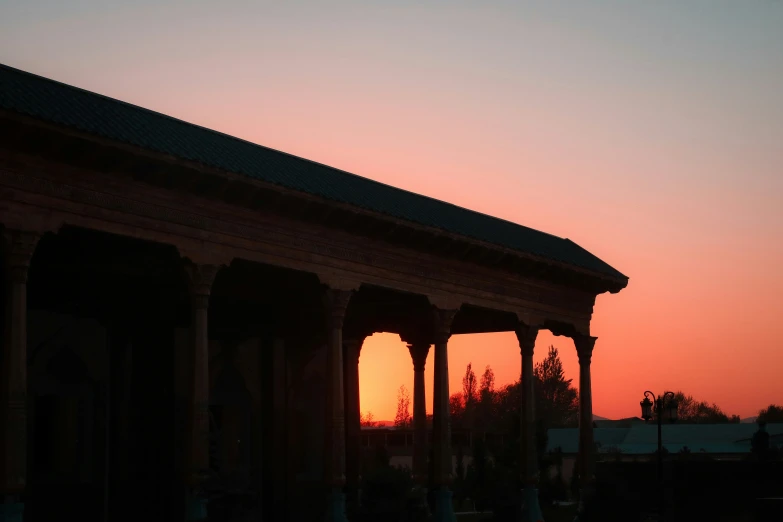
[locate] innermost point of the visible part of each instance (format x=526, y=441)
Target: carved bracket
x=419, y=352
x=20, y=246
x=336, y=303
x=32, y=220
x=337, y=281
x=206, y=256
x=442, y=319
x=200, y=279
x=530, y=319
x=419, y=335
x=445, y=302
x=526, y=335
x=584, y=348
x=568, y=328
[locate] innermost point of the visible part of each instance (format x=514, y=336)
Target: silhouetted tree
x=486, y=409
x=557, y=401
x=457, y=410
x=487, y=387
x=469, y=396
x=507, y=408
x=691, y=411
x=481, y=405
x=486, y=403
x=367, y=420
x=771, y=414
x=403, y=417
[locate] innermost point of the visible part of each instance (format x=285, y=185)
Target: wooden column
x=201, y=277
x=352, y=348
x=441, y=423
x=584, y=349
x=531, y=510
x=275, y=383
x=337, y=304
x=120, y=385
x=527, y=424
x=13, y=417
x=419, y=352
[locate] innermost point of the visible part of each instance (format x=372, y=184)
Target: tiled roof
x=91, y=113
x=643, y=439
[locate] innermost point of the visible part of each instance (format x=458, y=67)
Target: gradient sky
x=651, y=133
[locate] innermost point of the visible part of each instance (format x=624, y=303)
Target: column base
x=444, y=507
x=195, y=508
x=11, y=512
x=335, y=511
x=418, y=507
x=352, y=504
x=585, y=496
x=531, y=509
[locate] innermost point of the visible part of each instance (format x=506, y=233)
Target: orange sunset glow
x=658, y=150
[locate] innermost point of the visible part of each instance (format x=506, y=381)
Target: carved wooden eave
x=86, y=181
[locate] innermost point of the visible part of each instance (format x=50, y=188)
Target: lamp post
x=660, y=406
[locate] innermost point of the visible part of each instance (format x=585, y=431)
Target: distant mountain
x=617, y=423
x=599, y=418
x=380, y=424
x=749, y=420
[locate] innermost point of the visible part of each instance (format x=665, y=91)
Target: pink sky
x=651, y=136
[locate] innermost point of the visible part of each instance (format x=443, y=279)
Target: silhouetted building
x=639, y=441
x=186, y=312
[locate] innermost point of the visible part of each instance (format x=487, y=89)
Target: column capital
x=20, y=246
x=419, y=351
x=442, y=320
x=336, y=303
x=200, y=279
x=526, y=336
x=584, y=347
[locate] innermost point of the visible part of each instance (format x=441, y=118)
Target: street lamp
x=661, y=407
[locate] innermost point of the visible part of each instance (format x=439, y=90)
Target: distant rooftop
x=642, y=438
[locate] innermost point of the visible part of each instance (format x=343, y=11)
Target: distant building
x=633, y=439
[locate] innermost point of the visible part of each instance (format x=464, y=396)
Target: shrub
x=385, y=494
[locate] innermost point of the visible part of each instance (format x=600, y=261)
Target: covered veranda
x=184, y=307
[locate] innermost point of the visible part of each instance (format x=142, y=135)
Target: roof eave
x=600, y=282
